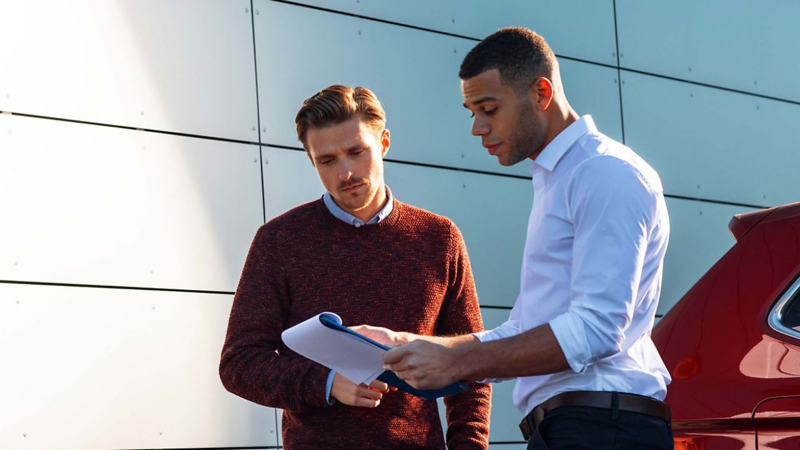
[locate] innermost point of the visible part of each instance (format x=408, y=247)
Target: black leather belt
x=607, y=400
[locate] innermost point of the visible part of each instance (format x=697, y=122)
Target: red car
x=732, y=343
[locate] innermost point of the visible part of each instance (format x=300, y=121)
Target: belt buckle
x=538, y=416
x=526, y=428
x=531, y=422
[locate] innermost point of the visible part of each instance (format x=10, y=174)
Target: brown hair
x=519, y=54
x=336, y=104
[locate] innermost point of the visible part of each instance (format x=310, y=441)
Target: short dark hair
x=519, y=54
x=336, y=104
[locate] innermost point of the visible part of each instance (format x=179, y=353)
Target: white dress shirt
x=592, y=267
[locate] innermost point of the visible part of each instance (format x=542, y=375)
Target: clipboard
x=390, y=377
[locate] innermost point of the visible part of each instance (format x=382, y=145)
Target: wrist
x=464, y=363
x=403, y=337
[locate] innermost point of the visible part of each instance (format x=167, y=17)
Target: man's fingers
x=379, y=386
x=406, y=375
x=367, y=403
x=384, y=336
x=361, y=329
x=365, y=392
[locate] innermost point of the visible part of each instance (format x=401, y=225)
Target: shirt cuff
x=484, y=336
x=571, y=336
x=505, y=330
x=328, y=386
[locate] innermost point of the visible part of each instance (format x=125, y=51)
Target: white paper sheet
x=353, y=358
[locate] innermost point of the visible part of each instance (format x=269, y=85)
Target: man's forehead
x=482, y=87
x=342, y=136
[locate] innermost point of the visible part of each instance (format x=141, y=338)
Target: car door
x=777, y=423
x=777, y=419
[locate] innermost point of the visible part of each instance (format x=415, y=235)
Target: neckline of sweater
x=390, y=220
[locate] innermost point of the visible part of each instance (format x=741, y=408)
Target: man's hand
x=353, y=394
x=425, y=365
x=384, y=336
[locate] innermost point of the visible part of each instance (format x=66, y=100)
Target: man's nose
x=479, y=127
x=345, y=171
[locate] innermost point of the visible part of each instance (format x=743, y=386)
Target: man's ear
x=385, y=141
x=541, y=93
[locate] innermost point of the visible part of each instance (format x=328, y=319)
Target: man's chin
x=505, y=161
x=509, y=160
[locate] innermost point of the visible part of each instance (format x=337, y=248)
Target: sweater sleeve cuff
x=312, y=388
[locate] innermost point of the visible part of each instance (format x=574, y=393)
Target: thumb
x=394, y=356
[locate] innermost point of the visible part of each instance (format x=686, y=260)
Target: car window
x=791, y=318
x=785, y=315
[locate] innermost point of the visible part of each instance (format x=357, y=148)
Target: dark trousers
x=585, y=427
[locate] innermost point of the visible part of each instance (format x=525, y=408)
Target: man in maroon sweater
x=370, y=258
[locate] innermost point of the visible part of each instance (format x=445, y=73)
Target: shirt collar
x=558, y=147
x=346, y=217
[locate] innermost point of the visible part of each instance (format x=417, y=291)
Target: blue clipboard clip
x=390, y=377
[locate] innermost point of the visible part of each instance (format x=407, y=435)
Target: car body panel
x=724, y=357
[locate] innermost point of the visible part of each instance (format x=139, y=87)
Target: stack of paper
x=356, y=357
x=352, y=356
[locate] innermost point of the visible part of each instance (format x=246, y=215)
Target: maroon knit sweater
x=409, y=273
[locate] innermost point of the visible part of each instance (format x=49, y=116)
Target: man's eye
x=325, y=161
x=489, y=112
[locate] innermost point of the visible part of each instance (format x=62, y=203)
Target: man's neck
x=563, y=117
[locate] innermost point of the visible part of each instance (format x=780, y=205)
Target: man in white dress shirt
x=578, y=337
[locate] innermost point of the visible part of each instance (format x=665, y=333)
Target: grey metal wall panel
x=279, y=425
x=115, y=368
x=699, y=237
x=86, y=204
x=505, y=416
x=593, y=90
x=713, y=144
x=748, y=45
x=289, y=180
x=424, y=111
x=424, y=107
x=574, y=28
x=183, y=65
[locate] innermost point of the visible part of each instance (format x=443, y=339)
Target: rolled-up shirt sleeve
x=613, y=209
